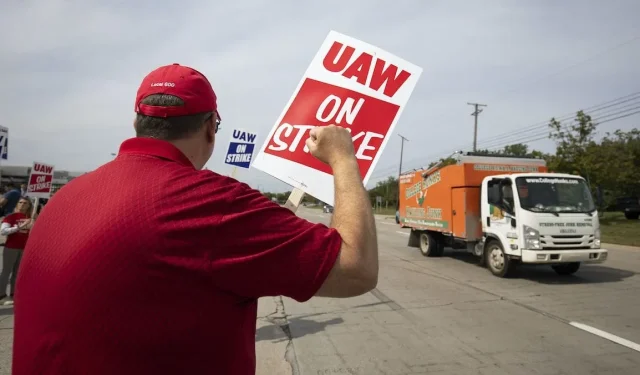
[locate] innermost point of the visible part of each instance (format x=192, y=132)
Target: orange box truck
x=505, y=210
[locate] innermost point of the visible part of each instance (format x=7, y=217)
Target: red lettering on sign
x=337, y=60
x=319, y=104
x=42, y=168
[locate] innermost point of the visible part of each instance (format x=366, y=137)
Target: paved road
x=449, y=316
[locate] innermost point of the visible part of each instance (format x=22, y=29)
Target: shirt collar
x=155, y=147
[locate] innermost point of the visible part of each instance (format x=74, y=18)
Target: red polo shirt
x=149, y=266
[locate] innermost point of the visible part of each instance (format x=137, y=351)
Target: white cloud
x=70, y=69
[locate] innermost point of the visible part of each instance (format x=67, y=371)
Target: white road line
x=608, y=336
x=382, y=222
x=405, y=233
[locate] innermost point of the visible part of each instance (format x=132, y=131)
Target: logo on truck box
x=420, y=188
x=432, y=179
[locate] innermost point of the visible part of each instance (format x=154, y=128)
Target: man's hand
x=331, y=144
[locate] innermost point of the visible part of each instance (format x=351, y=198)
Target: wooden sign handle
x=294, y=200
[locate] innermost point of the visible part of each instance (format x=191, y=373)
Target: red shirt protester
x=149, y=265
x=17, y=240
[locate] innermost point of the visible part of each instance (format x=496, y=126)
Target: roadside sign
x=351, y=84
x=241, y=148
x=379, y=199
x=4, y=143
x=40, y=180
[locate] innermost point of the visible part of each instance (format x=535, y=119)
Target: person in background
x=9, y=200
x=16, y=227
x=23, y=190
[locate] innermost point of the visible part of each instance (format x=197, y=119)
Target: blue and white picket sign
x=4, y=143
x=240, y=148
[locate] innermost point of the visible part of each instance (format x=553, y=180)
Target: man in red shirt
x=152, y=265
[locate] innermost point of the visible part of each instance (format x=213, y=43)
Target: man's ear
x=210, y=130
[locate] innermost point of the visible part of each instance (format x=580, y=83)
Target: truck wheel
x=566, y=268
x=497, y=261
x=429, y=246
x=631, y=216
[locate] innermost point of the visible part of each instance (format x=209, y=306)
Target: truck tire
x=429, y=246
x=632, y=216
x=566, y=269
x=497, y=260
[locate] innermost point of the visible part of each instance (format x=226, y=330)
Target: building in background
x=20, y=174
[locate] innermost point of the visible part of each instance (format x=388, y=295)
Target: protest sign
x=349, y=83
x=40, y=181
x=4, y=143
x=240, y=148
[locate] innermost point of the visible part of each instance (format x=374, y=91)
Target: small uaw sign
x=241, y=148
x=40, y=181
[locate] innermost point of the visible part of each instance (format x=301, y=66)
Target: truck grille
x=566, y=242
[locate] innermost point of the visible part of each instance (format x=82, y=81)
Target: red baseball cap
x=186, y=83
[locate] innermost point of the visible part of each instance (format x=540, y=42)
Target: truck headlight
x=596, y=239
x=531, y=238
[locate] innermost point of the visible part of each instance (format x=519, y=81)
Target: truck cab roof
x=537, y=174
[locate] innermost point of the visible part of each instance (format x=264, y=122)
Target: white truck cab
x=538, y=218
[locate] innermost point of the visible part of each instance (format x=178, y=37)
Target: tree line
x=611, y=165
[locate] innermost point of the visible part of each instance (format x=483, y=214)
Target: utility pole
x=401, y=152
x=475, y=114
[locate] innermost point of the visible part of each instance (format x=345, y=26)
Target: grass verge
x=617, y=229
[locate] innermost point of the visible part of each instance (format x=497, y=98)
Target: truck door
x=458, y=212
x=494, y=210
x=465, y=212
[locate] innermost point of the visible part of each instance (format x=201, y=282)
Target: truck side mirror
x=513, y=222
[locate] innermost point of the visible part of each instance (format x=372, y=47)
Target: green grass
x=385, y=211
x=617, y=229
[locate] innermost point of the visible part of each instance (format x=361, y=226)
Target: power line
x=542, y=124
x=596, y=108
x=599, y=121
x=530, y=131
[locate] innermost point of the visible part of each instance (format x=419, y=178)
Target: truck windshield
x=554, y=194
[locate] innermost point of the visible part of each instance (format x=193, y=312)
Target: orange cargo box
x=447, y=200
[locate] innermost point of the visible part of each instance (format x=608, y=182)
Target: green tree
x=444, y=162
x=615, y=163
x=573, y=145
x=387, y=189
x=518, y=149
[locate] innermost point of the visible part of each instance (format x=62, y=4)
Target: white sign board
x=40, y=181
x=351, y=84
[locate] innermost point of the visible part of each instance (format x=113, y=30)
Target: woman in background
x=16, y=227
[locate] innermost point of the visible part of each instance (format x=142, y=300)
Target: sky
x=69, y=70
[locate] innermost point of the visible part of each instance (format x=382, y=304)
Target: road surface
x=448, y=316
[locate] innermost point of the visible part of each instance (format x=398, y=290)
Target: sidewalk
x=272, y=342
